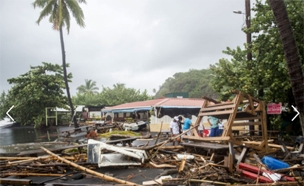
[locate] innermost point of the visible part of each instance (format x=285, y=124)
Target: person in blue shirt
x=187, y=124
x=213, y=121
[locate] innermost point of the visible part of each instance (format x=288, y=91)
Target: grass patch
x=125, y=133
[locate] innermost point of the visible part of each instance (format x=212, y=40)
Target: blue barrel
x=273, y=163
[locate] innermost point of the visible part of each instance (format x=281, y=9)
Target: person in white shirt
x=174, y=129
x=201, y=128
x=220, y=128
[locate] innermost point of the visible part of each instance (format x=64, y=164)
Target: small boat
x=6, y=122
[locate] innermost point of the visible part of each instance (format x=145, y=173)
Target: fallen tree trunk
x=99, y=175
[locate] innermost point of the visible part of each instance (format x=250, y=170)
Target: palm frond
x=82, y=1
x=59, y=15
x=40, y=3
x=76, y=12
x=54, y=17
x=59, y=11
x=46, y=11
x=66, y=17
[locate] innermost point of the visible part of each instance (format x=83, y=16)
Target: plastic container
x=273, y=163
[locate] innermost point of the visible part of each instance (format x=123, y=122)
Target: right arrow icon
x=295, y=111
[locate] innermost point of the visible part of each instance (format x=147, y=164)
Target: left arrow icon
x=9, y=111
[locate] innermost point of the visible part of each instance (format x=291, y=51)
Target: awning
x=186, y=107
x=127, y=110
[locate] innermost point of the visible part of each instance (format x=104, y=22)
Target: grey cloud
x=129, y=42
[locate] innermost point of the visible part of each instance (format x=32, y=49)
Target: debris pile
x=190, y=163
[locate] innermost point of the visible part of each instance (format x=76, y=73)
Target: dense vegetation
x=41, y=87
x=266, y=75
x=88, y=95
x=267, y=71
x=195, y=82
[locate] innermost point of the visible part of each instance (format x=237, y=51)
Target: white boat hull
x=6, y=123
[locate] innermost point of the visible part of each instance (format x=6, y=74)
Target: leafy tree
x=291, y=54
x=59, y=12
x=82, y=99
x=120, y=94
x=35, y=90
x=267, y=71
x=4, y=104
x=195, y=82
x=89, y=88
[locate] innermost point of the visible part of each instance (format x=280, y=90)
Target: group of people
x=178, y=126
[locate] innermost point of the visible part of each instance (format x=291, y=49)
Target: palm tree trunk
x=66, y=79
x=291, y=55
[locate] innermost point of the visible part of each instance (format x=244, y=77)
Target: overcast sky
x=140, y=43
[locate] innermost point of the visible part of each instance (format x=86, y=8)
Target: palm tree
x=59, y=15
x=292, y=56
x=89, y=88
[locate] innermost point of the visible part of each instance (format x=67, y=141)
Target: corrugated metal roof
x=163, y=102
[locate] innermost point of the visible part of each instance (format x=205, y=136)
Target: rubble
x=181, y=165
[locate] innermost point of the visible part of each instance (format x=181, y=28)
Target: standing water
x=14, y=135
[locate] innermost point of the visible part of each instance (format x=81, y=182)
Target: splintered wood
x=188, y=164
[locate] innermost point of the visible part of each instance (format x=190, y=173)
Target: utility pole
x=248, y=38
x=249, y=54
x=248, y=35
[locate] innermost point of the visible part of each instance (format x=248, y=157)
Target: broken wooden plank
x=39, y=151
x=269, y=144
x=12, y=181
x=32, y=174
x=182, y=165
x=99, y=175
x=162, y=165
x=241, y=157
x=224, y=138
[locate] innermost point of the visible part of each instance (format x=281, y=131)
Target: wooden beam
x=241, y=157
x=230, y=106
x=99, y=175
x=220, y=104
x=225, y=138
x=12, y=181
x=269, y=144
x=247, y=123
x=210, y=99
x=249, y=118
x=215, y=113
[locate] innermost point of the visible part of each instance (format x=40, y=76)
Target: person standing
x=187, y=124
x=213, y=122
x=180, y=123
x=201, y=129
x=174, y=129
x=220, y=128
